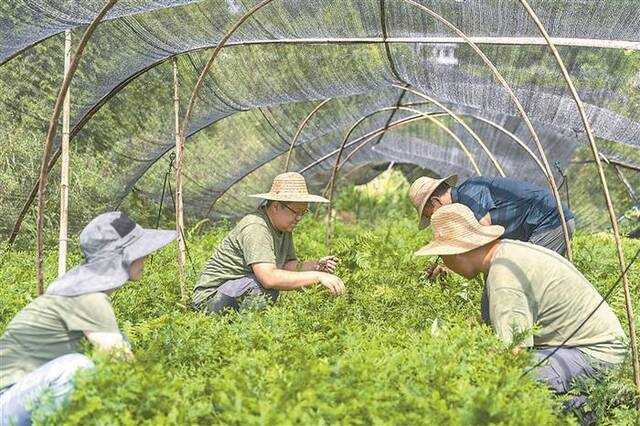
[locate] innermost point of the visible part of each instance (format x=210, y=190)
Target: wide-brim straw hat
x=420, y=192
x=456, y=230
x=291, y=187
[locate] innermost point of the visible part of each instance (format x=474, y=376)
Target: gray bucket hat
x=110, y=243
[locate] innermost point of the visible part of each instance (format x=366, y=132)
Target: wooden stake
x=632, y=192
x=64, y=173
x=53, y=124
x=179, y=205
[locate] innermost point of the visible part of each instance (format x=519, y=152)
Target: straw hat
x=292, y=187
x=456, y=230
x=421, y=191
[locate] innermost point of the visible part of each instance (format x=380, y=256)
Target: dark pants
x=553, y=239
x=565, y=366
x=232, y=294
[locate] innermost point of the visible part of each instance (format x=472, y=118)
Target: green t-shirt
x=252, y=240
x=50, y=327
x=529, y=285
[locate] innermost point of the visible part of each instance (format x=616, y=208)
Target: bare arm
x=281, y=279
x=108, y=341
x=293, y=265
x=324, y=264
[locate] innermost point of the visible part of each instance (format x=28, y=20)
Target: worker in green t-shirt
x=529, y=286
x=41, y=348
x=258, y=257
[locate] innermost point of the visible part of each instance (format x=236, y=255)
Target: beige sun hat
x=292, y=187
x=421, y=190
x=456, y=230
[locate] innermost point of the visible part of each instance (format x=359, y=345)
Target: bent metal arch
x=332, y=180
x=322, y=104
x=486, y=60
x=605, y=188
x=367, y=138
x=431, y=117
x=192, y=102
x=370, y=137
x=573, y=42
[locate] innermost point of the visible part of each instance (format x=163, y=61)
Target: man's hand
x=435, y=271
x=328, y=264
x=333, y=283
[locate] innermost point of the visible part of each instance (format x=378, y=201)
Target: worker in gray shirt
x=529, y=286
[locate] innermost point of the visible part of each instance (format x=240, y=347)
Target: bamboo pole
x=301, y=127
x=625, y=164
x=179, y=204
x=402, y=122
x=64, y=172
x=521, y=111
x=53, y=124
x=612, y=161
x=488, y=40
x=605, y=188
x=198, y=86
x=334, y=173
x=625, y=182
x=460, y=121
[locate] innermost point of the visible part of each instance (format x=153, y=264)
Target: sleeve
x=476, y=196
x=257, y=244
x=291, y=250
x=92, y=312
x=509, y=311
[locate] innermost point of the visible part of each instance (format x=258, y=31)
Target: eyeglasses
x=299, y=215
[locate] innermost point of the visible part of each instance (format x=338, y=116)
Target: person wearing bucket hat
x=527, y=212
x=257, y=258
x=41, y=348
x=529, y=286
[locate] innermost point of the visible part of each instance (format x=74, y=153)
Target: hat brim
x=294, y=198
x=450, y=180
x=150, y=241
x=109, y=271
x=462, y=244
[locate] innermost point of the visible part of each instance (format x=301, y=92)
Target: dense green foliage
x=397, y=349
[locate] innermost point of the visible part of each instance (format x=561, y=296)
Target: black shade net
x=292, y=55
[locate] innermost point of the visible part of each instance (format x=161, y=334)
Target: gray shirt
x=50, y=327
x=253, y=240
x=530, y=285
